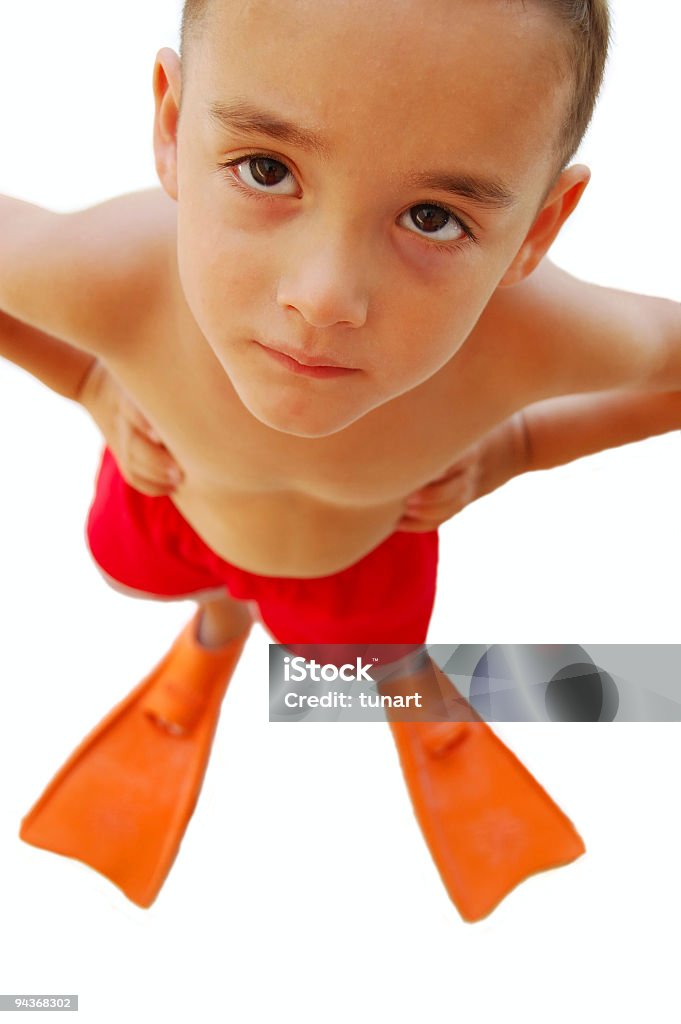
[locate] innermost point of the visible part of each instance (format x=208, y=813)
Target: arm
x=562, y=429
x=89, y=278
x=562, y=343
x=542, y=436
x=59, y=366
x=143, y=459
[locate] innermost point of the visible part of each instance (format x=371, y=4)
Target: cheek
x=221, y=270
x=424, y=358
x=424, y=328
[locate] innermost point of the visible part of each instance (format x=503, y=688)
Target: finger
x=168, y=480
x=444, y=507
x=145, y=481
x=429, y=519
x=152, y=462
x=154, y=479
x=440, y=510
x=462, y=465
x=439, y=490
x=148, y=487
x=453, y=491
x=138, y=421
x=449, y=474
x=408, y=525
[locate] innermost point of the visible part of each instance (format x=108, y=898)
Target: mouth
x=307, y=366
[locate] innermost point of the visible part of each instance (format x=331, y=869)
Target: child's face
x=324, y=239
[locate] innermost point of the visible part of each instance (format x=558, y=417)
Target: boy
x=326, y=279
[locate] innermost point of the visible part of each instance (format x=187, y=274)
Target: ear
x=167, y=93
x=557, y=207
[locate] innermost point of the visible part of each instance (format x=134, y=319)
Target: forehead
x=484, y=78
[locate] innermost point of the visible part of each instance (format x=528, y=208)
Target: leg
x=440, y=702
x=222, y=620
x=221, y=616
x=487, y=822
x=122, y=801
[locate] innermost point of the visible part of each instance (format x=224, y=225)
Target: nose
x=326, y=284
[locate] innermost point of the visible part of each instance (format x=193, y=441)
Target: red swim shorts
x=145, y=544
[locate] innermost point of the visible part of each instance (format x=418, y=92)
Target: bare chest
x=281, y=505
x=222, y=447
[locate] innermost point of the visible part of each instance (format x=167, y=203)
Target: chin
x=297, y=418
x=300, y=426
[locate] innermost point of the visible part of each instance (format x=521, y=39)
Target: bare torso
x=281, y=505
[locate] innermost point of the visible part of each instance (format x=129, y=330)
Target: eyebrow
x=487, y=192
x=242, y=116
x=245, y=117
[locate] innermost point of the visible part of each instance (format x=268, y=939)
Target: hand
x=144, y=461
x=493, y=460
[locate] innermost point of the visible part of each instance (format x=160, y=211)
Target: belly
x=285, y=534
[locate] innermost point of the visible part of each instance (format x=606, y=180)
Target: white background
x=303, y=891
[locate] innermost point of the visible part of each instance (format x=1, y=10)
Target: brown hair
x=588, y=23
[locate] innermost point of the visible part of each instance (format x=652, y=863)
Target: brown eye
x=267, y=172
x=429, y=218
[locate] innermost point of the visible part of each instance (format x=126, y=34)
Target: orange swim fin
x=487, y=821
x=123, y=800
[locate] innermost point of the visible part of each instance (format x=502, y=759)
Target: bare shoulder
x=93, y=277
x=130, y=241
x=563, y=335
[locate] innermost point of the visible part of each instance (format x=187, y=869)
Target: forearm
x=58, y=365
x=562, y=429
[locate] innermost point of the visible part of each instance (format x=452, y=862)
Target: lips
x=306, y=360
x=307, y=365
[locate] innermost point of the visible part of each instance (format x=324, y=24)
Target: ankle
x=218, y=627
